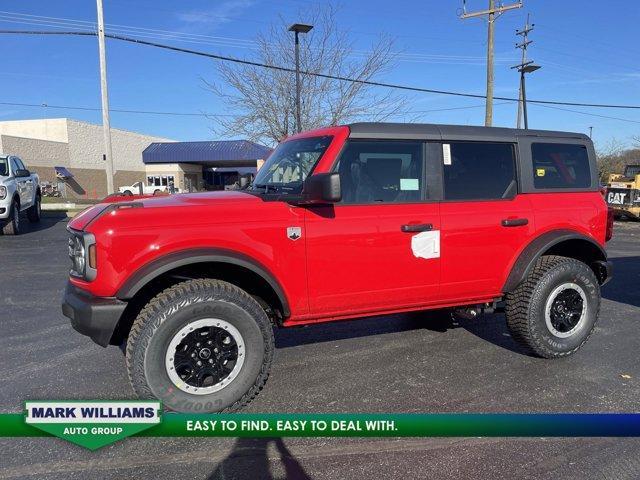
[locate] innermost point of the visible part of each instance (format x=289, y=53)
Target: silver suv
x=19, y=192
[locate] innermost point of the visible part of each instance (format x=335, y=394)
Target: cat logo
x=616, y=198
x=294, y=233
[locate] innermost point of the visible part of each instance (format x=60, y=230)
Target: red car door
x=361, y=252
x=485, y=222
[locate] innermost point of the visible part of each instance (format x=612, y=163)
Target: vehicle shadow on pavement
x=624, y=287
x=249, y=458
x=491, y=328
x=26, y=227
x=361, y=327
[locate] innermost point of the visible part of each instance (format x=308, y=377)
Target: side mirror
x=22, y=172
x=322, y=188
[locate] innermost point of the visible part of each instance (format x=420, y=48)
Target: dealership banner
x=92, y=424
x=95, y=424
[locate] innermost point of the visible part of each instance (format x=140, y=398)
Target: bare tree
x=263, y=100
x=616, y=155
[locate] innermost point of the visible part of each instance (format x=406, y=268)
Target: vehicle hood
x=167, y=209
x=198, y=199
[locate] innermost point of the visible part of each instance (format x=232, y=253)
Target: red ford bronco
x=343, y=222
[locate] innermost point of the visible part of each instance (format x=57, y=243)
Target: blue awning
x=226, y=153
x=63, y=173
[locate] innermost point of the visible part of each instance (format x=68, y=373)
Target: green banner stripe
x=370, y=425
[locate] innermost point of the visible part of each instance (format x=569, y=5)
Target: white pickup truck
x=146, y=189
x=19, y=192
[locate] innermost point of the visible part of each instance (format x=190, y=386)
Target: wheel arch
x=185, y=258
x=565, y=243
x=238, y=269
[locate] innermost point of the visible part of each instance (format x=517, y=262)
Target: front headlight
x=3, y=192
x=82, y=252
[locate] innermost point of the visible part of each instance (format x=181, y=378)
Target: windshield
x=287, y=167
x=4, y=166
x=632, y=170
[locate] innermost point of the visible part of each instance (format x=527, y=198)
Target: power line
x=207, y=114
x=200, y=114
x=316, y=74
x=116, y=110
x=152, y=33
x=589, y=114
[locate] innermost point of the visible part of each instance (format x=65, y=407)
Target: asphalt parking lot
x=402, y=363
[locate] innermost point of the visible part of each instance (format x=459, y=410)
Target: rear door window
x=560, y=165
x=479, y=171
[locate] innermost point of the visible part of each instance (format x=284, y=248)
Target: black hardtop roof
x=431, y=131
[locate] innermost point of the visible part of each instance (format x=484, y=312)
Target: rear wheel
x=128, y=193
x=12, y=227
x=554, y=310
x=200, y=346
x=34, y=211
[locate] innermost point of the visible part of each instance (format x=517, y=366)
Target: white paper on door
x=426, y=244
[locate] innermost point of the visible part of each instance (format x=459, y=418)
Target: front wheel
x=200, y=346
x=12, y=227
x=554, y=310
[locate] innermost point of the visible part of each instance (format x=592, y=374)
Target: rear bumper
x=95, y=317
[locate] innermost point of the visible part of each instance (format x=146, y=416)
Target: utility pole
x=590, y=132
x=525, y=66
x=525, y=43
x=493, y=13
x=106, y=125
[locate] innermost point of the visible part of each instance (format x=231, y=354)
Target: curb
x=59, y=213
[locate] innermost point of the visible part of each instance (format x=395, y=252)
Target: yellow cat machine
x=623, y=192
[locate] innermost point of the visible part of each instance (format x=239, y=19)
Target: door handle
x=515, y=222
x=417, y=227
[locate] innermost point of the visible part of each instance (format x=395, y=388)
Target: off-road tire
x=173, y=309
x=33, y=212
x=526, y=305
x=12, y=225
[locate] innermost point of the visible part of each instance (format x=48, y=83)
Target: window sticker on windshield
x=409, y=184
x=540, y=172
x=446, y=153
x=426, y=244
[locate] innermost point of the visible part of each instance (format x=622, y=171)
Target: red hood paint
x=80, y=221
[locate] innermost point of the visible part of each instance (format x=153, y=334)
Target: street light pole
x=298, y=28
x=106, y=125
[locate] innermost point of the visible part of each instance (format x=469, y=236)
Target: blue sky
x=588, y=53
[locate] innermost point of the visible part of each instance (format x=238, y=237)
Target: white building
x=78, y=146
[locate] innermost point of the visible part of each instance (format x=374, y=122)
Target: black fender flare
x=538, y=246
x=155, y=268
